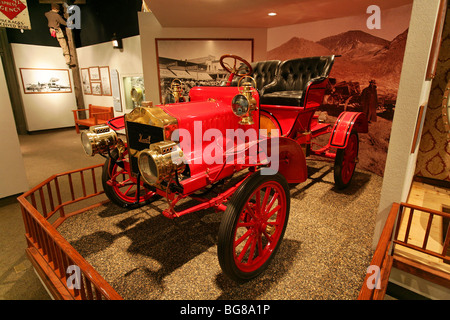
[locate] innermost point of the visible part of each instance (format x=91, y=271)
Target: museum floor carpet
x=143, y=255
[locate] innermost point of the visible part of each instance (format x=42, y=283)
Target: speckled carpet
x=324, y=255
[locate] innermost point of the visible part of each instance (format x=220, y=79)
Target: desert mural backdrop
x=365, y=55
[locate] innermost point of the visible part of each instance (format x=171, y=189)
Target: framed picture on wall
x=45, y=80
x=94, y=74
x=86, y=81
x=96, y=88
x=196, y=61
x=106, y=81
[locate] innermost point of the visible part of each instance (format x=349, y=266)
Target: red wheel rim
x=349, y=160
x=125, y=186
x=259, y=227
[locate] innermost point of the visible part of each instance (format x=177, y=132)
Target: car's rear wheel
x=120, y=187
x=253, y=226
x=345, y=162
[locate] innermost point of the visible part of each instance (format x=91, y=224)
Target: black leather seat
x=293, y=78
x=264, y=73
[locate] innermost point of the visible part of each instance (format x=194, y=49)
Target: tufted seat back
x=293, y=76
x=263, y=72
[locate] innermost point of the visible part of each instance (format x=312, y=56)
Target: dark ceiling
x=100, y=19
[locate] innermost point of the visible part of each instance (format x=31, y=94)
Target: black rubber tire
x=230, y=219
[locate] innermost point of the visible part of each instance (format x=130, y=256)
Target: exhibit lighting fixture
x=272, y=14
x=116, y=42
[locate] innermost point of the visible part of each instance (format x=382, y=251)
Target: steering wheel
x=233, y=70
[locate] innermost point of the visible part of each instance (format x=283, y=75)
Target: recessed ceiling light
x=272, y=14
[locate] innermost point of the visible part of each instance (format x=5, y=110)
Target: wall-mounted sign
x=14, y=14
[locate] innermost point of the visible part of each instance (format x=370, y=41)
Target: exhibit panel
x=103, y=70
x=46, y=86
x=150, y=29
x=12, y=169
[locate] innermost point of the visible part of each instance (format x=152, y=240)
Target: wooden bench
x=97, y=115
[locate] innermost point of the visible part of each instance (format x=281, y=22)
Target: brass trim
x=154, y=116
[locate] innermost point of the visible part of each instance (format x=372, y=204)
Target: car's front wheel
x=253, y=226
x=121, y=187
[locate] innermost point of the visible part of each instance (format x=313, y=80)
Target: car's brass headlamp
x=160, y=162
x=98, y=139
x=243, y=104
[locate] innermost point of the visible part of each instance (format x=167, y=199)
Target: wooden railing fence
x=65, y=273
x=385, y=257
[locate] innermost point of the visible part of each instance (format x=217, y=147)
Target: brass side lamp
x=243, y=104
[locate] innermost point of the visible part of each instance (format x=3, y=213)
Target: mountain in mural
x=354, y=43
x=363, y=56
x=391, y=56
x=297, y=48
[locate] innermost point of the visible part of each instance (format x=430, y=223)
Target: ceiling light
x=272, y=14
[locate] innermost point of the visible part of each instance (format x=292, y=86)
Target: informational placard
x=117, y=101
x=14, y=14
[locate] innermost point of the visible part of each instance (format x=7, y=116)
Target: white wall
x=413, y=92
x=150, y=29
x=127, y=62
x=49, y=110
x=13, y=179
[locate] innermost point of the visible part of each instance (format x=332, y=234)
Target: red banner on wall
x=14, y=14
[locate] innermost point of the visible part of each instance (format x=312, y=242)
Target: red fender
x=289, y=159
x=345, y=123
x=117, y=123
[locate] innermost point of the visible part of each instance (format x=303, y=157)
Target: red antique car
x=246, y=141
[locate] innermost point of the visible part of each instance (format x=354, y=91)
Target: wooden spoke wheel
x=345, y=162
x=120, y=187
x=253, y=226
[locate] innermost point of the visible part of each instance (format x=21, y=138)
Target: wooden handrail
x=379, y=258
x=47, y=249
x=384, y=257
x=423, y=248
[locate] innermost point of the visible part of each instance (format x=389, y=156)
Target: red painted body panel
x=314, y=93
x=224, y=94
x=209, y=111
x=117, y=123
x=285, y=116
x=346, y=122
x=291, y=161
